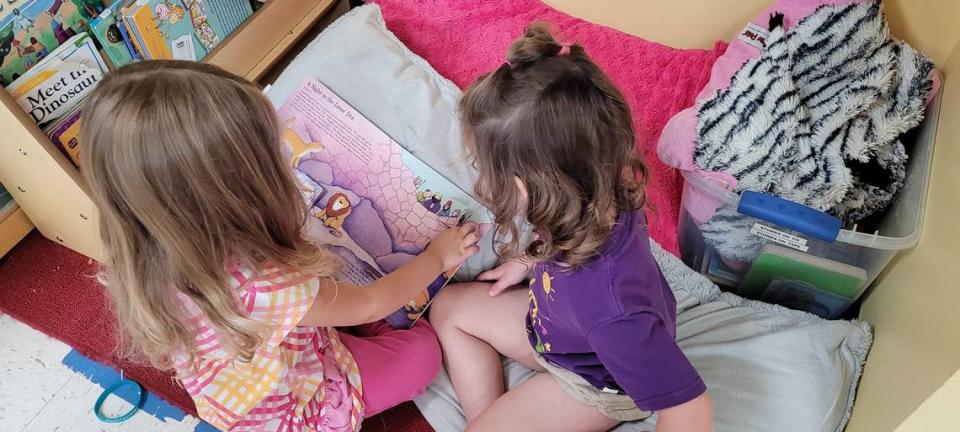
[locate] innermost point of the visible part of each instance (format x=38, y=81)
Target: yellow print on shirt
x=534, y=310
x=535, y=318
x=546, y=282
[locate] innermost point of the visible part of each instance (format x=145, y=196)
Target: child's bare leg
x=540, y=404
x=473, y=327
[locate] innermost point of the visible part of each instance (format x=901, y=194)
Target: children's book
x=780, y=263
x=56, y=85
x=376, y=205
x=106, y=28
x=130, y=31
x=128, y=41
x=65, y=133
x=122, y=7
x=183, y=29
x=139, y=19
x=31, y=29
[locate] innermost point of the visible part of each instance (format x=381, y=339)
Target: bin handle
x=789, y=214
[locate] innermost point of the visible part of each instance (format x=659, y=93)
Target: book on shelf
x=30, y=30
x=182, y=29
x=372, y=202
x=65, y=134
x=57, y=85
x=107, y=28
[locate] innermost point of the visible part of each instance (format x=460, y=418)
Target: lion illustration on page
x=335, y=212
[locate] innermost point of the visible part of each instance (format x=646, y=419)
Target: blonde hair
x=554, y=120
x=183, y=161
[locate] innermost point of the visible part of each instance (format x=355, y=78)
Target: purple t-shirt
x=613, y=321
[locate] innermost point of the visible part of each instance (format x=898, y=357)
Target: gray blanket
x=767, y=368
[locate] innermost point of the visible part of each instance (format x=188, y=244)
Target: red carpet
x=51, y=289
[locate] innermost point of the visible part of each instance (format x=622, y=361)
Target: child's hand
x=505, y=275
x=455, y=245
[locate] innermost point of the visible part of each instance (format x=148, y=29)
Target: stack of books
x=167, y=29
x=53, y=52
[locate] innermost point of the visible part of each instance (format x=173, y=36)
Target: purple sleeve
x=651, y=369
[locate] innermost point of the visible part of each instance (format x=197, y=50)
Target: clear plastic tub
x=807, y=260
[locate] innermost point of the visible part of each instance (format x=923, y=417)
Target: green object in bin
x=780, y=263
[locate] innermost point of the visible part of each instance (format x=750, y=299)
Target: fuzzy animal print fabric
x=815, y=119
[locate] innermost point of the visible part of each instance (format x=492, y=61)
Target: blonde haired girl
x=209, y=270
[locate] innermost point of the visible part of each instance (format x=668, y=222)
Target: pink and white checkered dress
x=300, y=378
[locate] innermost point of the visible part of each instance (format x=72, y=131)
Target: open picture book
x=375, y=204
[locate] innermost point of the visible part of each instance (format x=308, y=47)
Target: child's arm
x=346, y=304
x=695, y=416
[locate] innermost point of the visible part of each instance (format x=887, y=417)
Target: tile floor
x=40, y=393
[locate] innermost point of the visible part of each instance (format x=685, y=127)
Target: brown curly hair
x=554, y=120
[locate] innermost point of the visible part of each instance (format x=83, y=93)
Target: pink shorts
x=395, y=365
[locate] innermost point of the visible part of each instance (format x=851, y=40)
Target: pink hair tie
x=564, y=50
x=509, y=65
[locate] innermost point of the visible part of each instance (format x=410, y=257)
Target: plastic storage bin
x=807, y=261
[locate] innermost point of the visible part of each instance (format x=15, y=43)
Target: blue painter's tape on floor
x=205, y=427
x=105, y=376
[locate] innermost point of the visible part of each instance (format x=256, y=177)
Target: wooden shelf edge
x=267, y=35
x=7, y=102
x=8, y=209
x=14, y=226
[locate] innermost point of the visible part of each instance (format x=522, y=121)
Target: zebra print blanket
x=815, y=119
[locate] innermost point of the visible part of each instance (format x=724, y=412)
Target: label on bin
x=784, y=238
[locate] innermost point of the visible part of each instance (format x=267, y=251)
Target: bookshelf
x=14, y=225
x=50, y=191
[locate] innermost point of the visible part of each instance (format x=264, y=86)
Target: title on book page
x=47, y=97
x=330, y=99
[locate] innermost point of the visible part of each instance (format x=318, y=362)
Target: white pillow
x=767, y=368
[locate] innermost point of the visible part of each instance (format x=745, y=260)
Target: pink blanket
x=465, y=38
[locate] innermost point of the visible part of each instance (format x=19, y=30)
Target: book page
x=379, y=205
